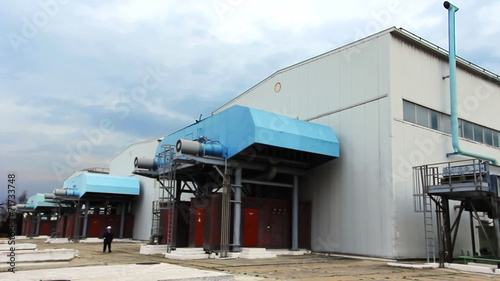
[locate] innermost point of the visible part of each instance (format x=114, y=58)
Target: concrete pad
x=187, y=254
x=159, y=272
x=58, y=240
x=471, y=268
x=33, y=265
x=256, y=253
x=286, y=252
x=38, y=255
x=153, y=249
x=18, y=246
x=415, y=266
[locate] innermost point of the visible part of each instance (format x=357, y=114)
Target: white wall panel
x=123, y=165
x=417, y=76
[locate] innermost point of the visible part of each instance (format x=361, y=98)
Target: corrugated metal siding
x=417, y=76
x=352, y=203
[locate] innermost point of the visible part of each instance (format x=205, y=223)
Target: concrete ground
x=125, y=263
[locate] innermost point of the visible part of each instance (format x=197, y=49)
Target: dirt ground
x=307, y=267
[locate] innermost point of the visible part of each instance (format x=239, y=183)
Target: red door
x=251, y=227
x=198, y=234
x=94, y=227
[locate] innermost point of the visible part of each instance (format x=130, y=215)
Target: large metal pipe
x=145, y=163
x=200, y=148
x=295, y=214
x=452, y=61
x=66, y=192
x=49, y=196
x=237, y=209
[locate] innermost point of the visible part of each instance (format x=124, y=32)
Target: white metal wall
x=123, y=165
x=417, y=76
x=352, y=200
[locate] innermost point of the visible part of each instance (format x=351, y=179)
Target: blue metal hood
x=238, y=127
x=94, y=183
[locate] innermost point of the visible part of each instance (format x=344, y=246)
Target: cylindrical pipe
x=59, y=192
x=295, y=214
x=200, y=148
x=453, y=76
x=452, y=9
x=71, y=192
x=145, y=163
x=66, y=192
x=49, y=195
x=188, y=147
x=237, y=209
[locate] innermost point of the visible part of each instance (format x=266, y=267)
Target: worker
x=108, y=238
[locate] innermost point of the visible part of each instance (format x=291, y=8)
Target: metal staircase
x=166, y=198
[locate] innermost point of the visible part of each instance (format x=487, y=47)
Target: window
x=409, y=111
x=468, y=131
x=478, y=133
x=496, y=139
x=445, y=123
x=422, y=116
x=436, y=120
x=488, y=136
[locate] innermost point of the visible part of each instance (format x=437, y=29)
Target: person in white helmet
x=108, y=238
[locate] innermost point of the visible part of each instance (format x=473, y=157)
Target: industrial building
x=327, y=161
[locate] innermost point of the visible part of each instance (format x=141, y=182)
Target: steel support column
x=122, y=220
x=237, y=210
x=85, y=219
x=447, y=231
x=76, y=233
x=295, y=214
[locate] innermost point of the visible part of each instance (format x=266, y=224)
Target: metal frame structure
x=474, y=183
x=204, y=175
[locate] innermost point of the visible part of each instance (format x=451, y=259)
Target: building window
x=422, y=116
x=468, y=132
x=436, y=120
x=488, y=136
x=409, y=111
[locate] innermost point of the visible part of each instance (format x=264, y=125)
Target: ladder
x=430, y=246
x=167, y=198
x=423, y=204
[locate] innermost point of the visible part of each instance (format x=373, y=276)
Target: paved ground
x=307, y=267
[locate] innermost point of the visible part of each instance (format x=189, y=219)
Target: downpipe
x=452, y=9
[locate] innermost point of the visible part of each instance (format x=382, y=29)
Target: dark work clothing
x=108, y=238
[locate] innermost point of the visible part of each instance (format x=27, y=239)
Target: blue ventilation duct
x=231, y=131
x=452, y=9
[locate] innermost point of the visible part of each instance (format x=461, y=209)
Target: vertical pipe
x=38, y=221
x=85, y=219
x=453, y=76
x=237, y=210
x=122, y=220
x=295, y=214
x=452, y=9
x=76, y=233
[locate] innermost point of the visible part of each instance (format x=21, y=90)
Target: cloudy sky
x=81, y=80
